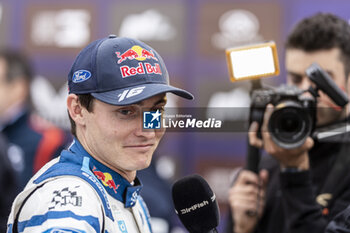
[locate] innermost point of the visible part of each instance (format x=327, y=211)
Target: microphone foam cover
x=195, y=204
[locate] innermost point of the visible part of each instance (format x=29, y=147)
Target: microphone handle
x=253, y=159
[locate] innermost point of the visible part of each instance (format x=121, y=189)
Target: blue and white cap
x=120, y=71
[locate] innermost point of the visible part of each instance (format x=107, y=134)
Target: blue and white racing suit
x=76, y=193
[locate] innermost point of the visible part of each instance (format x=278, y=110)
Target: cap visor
x=132, y=95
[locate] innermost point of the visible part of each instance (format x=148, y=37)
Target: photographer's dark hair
x=86, y=101
x=18, y=65
x=321, y=32
x=18, y=68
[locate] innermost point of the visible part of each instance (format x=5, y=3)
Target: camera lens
x=290, y=125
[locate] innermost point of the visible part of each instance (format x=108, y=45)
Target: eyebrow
x=161, y=101
x=301, y=75
x=295, y=74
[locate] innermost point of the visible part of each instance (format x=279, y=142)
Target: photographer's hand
x=247, y=195
x=296, y=158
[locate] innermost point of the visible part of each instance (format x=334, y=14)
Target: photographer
x=300, y=189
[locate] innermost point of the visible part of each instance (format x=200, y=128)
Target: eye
x=295, y=79
x=158, y=108
x=125, y=112
x=331, y=74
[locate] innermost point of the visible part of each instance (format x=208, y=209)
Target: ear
x=75, y=109
x=348, y=85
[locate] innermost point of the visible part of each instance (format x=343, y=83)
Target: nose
x=305, y=84
x=146, y=133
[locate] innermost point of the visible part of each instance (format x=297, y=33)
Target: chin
x=142, y=164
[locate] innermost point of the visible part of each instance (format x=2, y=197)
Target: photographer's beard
x=329, y=113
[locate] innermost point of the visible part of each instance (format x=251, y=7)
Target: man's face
x=114, y=135
x=297, y=61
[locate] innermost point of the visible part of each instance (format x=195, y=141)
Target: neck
x=128, y=175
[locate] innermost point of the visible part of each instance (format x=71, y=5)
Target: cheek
x=160, y=134
x=324, y=98
x=347, y=87
x=327, y=103
x=104, y=129
x=122, y=131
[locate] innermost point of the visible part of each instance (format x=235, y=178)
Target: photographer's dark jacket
x=298, y=202
x=33, y=144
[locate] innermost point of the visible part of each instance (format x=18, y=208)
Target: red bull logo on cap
x=140, y=54
x=127, y=71
x=106, y=179
x=136, y=52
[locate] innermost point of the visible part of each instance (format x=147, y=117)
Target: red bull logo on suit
x=106, y=179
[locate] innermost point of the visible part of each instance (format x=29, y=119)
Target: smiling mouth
x=140, y=146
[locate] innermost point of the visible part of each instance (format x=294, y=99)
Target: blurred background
x=191, y=36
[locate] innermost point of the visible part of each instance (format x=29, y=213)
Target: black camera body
x=293, y=118
x=294, y=115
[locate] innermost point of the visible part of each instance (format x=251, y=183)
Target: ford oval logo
x=81, y=76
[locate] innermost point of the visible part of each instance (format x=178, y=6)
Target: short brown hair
x=86, y=101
